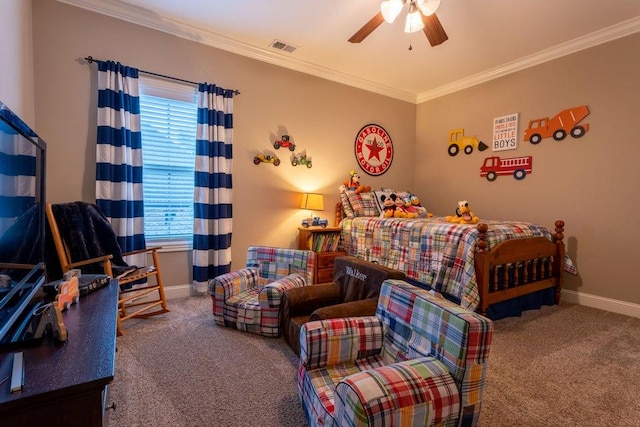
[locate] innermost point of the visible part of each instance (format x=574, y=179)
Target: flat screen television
x=22, y=219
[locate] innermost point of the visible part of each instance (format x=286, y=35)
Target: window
x=168, y=123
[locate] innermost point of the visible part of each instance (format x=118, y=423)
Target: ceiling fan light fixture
x=414, y=20
x=428, y=7
x=391, y=9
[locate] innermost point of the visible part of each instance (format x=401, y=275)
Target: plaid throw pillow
x=344, y=201
x=363, y=204
x=346, y=205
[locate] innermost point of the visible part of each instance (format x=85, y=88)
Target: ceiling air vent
x=277, y=44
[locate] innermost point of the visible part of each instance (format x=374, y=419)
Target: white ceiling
x=487, y=38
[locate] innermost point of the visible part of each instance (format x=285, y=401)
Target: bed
x=476, y=265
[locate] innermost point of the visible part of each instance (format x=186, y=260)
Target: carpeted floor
x=181, y=370
x=558, y=366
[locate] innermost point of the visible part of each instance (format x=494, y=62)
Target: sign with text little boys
x=505, y=132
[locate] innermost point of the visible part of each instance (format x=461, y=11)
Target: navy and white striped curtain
x=212, y=204
x=119, y=154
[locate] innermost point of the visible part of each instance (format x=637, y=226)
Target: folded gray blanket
x=88, y=234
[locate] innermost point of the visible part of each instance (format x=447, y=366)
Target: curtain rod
x=91, y=60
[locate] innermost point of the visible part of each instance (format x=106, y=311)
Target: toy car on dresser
x=315, y=222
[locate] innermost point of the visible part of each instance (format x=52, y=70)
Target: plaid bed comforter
x=431, y=250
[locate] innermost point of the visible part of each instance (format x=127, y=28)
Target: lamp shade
x=428, y=7
x=414, y=20
x=312, y=202
x=390, y=9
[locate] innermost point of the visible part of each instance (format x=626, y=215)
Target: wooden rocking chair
x=135, y=300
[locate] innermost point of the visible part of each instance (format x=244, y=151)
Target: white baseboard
x=171, y=292
x=177, y=291
x=602, y=303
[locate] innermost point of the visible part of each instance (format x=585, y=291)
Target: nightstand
x=325, y=242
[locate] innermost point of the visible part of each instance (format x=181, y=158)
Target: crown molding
x=605, y=35
x=143, y=17
x=147, y=19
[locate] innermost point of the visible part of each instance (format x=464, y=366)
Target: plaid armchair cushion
x=372, y=395
x=335, y=341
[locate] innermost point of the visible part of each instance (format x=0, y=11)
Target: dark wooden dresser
x=65, y=384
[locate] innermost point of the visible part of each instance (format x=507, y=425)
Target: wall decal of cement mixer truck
x=565, y=122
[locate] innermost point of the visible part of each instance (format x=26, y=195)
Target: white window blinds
x=168, y=118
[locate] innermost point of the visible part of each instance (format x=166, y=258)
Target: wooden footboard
x=518, y=267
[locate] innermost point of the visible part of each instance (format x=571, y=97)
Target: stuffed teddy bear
x=353, y=183
x=463, y=215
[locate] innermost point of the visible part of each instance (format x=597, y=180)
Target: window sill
x=171, y=245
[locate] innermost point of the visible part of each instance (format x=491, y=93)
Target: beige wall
x=590, y=183
x=16, y=71
x=586, y=182
x=322, y=117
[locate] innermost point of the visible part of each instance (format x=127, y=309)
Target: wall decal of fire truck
x=565, y=122
x=494, y=166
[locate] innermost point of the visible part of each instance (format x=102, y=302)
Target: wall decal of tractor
x=459, y=141
x=565, y=122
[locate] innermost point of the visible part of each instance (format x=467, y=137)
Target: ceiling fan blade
x=433, y=30
x=367, y=28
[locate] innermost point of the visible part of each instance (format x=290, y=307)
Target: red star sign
x=374, y=149
x=377, y=141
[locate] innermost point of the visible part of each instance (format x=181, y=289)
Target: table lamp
x=312, y=202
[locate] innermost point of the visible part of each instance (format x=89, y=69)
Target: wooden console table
x=65, y=384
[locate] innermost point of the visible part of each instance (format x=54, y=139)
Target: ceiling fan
x=421, y=15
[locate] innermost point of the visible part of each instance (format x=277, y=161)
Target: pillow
x=363, y=204
x=346, y=206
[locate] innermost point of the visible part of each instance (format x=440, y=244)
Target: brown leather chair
x=353, y=292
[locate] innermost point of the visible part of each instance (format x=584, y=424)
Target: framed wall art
x=373, y=149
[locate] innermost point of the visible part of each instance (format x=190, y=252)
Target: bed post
x=558, y=260
x=338, y=215
x=482, y=272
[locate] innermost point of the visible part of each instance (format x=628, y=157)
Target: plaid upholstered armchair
x=249, y=299
x=420, y=361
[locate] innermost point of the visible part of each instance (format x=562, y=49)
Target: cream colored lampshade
x=391, y=9
x=414, y=20
x=312, y=202
x=428, y=7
